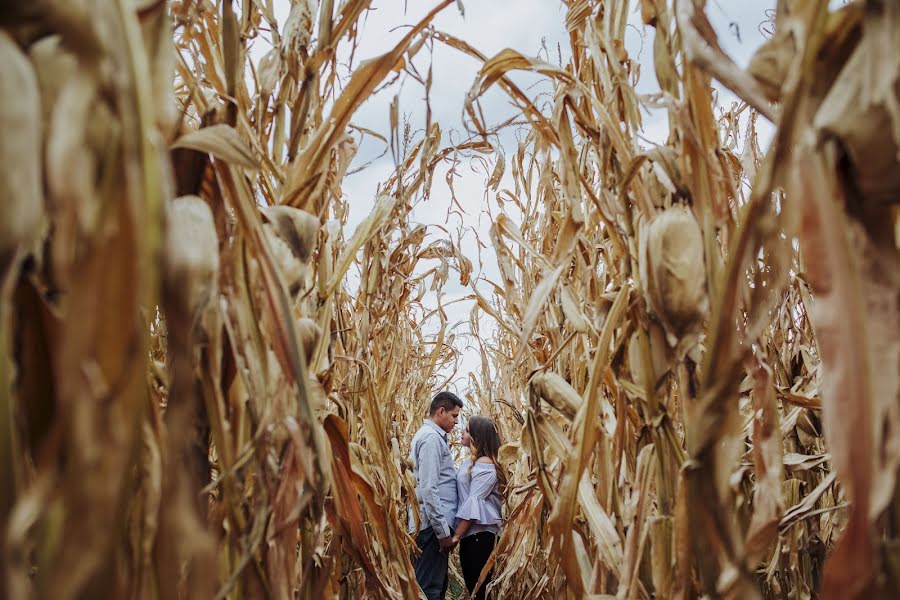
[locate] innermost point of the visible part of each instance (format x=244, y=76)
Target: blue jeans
x=431, y=566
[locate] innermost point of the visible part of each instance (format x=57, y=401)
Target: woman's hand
x=447, y=544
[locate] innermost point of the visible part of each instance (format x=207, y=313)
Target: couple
x=455, y=506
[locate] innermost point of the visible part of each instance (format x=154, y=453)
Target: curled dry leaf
x=221, y=141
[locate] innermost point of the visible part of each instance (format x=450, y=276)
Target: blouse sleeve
x=476, y=507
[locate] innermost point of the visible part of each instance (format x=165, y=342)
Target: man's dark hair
x=445, y=400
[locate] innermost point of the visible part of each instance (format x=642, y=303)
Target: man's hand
x=447, y=544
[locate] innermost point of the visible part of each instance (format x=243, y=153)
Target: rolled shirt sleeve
x=476, y=507
x=429, y=464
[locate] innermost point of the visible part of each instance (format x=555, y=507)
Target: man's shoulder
x=425, y=433
x=431, y=427
x=428, y=438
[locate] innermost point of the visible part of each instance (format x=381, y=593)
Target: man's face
x=446, y=419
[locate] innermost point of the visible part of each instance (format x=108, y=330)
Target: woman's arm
x=461, y=529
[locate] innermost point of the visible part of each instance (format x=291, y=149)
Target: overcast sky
x=534, y=28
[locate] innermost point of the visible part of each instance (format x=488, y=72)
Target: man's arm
x=429, y=462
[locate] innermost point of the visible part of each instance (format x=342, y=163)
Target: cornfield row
x=209, y=380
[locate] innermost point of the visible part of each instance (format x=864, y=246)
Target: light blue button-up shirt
x=436, y=480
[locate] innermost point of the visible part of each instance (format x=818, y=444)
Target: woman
x=480, y=484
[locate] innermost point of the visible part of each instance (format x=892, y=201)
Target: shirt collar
x=437, y=428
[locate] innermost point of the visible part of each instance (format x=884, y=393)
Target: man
x=436, y=493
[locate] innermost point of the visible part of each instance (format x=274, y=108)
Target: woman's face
x=466, y=440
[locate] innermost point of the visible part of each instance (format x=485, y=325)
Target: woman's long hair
x=485, y=441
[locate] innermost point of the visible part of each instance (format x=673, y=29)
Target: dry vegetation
x=696, y=346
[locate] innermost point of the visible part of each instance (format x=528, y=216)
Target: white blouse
x=479, y=497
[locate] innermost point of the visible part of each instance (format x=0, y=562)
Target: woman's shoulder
x=484, y=461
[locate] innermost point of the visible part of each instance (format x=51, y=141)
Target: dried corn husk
x=658, y=348
x=297, y=33
x=673, y=271
x=269, y=71
x=20, y=150
x=296, y=227
x=292, y=269
x=556, y=392
x=192, y=250
x=573, y=313
x=292, y=234
x=862, y=108
x=309, y=334
x=53, y=64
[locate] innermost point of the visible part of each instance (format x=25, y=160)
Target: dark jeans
x=474, y=551
x=431, y=566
